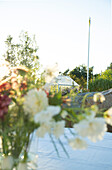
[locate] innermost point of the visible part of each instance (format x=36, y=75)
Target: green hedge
x=100, y=84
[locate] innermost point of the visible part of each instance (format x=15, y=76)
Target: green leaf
x=56, y=99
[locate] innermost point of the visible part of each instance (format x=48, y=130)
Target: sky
x=61, y=28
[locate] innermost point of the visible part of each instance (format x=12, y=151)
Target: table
x=98, y=156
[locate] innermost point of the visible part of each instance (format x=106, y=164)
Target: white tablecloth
x=98, y=156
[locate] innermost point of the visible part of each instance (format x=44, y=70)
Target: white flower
x=45, y=119
x=35, y=101
x=93, y=110
x=108, y=116
x=54, y=109
x=58, y=128
x=22, y=166
x=46, y=115
x=51, y=72
x=7, y=163
x=98, y=97
x=93, y=128
x=64, y=113
x=78, y=143
x=43, y=129
x=90, y=113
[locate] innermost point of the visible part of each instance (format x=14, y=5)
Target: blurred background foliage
x=97, y=82
x=25, y=53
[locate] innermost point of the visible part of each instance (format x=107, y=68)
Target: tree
x=22, y=53
x=95, y=76
x=102, y=82
x=107, y=74
x=79, y=74
x=66, y=72
x=110, y=67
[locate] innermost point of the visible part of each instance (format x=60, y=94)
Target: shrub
x=100, y=84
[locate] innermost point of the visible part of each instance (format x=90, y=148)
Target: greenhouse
x=64, y=82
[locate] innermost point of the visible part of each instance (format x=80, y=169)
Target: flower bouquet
x=27, y=105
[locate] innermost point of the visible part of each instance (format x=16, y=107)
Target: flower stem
x=3, y=141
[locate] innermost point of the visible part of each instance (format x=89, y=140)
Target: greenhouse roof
x=62, y=80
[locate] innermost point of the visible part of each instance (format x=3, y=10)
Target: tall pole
x=88, y=54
